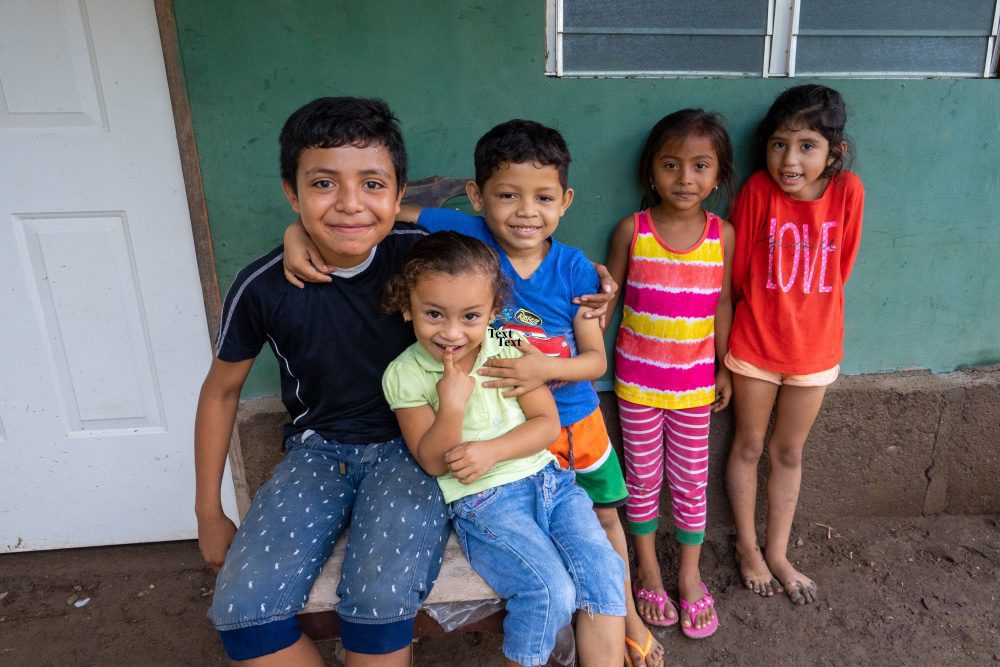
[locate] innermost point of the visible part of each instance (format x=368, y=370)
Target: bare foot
x=637, y=631
x=755, y=572
x=800, y=588
x=691, y=591
x=651, y=612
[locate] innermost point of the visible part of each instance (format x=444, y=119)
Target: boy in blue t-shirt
x=521, y=189
x=343, y=169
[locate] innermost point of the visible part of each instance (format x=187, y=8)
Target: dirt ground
x=920, y=591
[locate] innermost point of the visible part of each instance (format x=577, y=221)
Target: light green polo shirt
x=411, y=381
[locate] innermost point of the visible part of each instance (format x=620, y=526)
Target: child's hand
x=723, y=389
x=302, y=260
x=521, y=375
x=455, y=386
x=215, y=534
x=470, y=460
x=597, y=304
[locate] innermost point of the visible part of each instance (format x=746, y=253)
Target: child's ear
x=475, y=195
x=843, y=154
x=406, y=315
x=290, y=195
x=567, y=199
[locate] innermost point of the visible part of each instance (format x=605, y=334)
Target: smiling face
x=451, y=312
x=522, y=203
x=685, y=173
x=796, y=160
x=347, y=198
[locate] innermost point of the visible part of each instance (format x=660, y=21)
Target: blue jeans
x=538, y=543
x=398, y=529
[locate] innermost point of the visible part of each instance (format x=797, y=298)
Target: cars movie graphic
x=528, y=325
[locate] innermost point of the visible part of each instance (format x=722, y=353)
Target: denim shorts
x=538, y=543
x=396, y=537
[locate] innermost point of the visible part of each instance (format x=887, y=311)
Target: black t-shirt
x=331, y=340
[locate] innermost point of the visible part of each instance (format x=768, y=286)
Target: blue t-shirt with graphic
x=541, y=307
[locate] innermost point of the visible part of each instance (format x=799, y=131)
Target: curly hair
x=450, y=253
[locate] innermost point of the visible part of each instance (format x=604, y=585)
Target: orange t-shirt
x=791, y=262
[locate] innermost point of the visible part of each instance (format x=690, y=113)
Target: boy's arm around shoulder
x=470, y=460
x=450, y=220
x=590, y=361
x=213, y=429
x=599, y=304
x=303, y=262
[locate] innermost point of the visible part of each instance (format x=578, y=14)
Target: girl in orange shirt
x=798, y=227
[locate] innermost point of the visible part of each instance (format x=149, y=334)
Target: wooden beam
x=198, y=210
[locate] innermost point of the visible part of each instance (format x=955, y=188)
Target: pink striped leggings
x=644, y=431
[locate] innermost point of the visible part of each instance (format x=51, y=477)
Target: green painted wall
x=925, y=289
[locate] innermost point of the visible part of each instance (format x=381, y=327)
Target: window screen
x=602, y=37
x=851, y=38
x=886, y=37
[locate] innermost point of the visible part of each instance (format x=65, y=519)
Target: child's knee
x=748, y=447
x=375, y=597
x=559, y=597
x=548, y=603
x=608, y=516
x=388, y=579
x=785, y=455
x=535, y=617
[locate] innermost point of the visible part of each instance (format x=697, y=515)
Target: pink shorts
x=821, y=379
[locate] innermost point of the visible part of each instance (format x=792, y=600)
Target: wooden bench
x=457, y=583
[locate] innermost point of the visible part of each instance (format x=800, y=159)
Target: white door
x=103, y=341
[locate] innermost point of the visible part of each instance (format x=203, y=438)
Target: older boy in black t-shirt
x=343, y=167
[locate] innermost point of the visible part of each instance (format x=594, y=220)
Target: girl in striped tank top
x=674, y=260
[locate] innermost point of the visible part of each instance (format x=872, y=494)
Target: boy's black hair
x=519, y=141
x=450, y=253
x=676, y=127
x=813, y=107
x=332, y=122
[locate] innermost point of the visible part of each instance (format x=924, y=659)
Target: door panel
x=103, y=342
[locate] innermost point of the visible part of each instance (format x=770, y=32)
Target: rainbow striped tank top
x=665, y=353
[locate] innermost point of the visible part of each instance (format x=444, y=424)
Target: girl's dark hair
x=445, y=252
x=676, y=127
x=813, y=107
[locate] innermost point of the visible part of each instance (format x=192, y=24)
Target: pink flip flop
x=661, y=601
x=692, y=609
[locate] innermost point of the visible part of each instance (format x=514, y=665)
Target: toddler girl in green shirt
x=525, y=526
